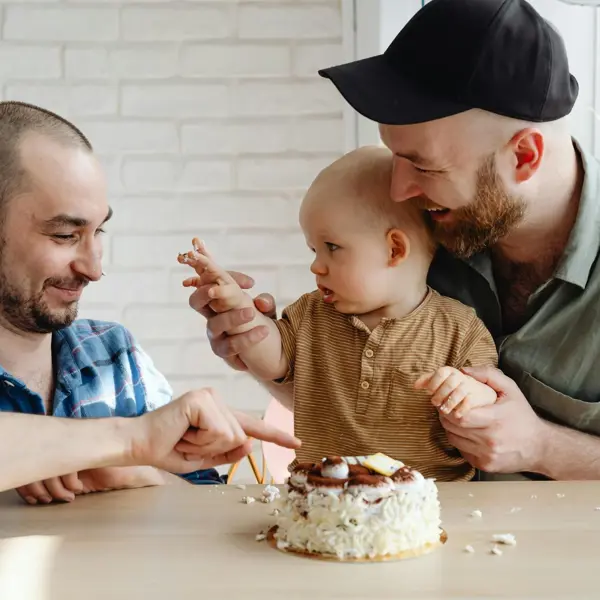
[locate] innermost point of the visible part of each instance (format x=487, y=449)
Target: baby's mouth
x=327, y=293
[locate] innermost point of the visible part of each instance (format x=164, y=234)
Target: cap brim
x=382, y=94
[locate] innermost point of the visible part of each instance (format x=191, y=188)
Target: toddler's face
x=351, y=256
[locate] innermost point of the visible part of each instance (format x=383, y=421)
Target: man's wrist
x=248, y=304
x=542, y=443
x=124, y=441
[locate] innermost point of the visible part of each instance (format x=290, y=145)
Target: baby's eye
x=331, y=247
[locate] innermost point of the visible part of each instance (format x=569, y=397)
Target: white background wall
x=211, y=120
x=379, y=21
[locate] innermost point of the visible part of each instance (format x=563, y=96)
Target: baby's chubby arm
x=454, y=391
x=265, y=360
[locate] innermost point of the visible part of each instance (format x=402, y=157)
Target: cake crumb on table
x=248, y=499
x=269, y=494
x=476, y=513
x=240, y=486
x=496, y=550
x=469, y=549
x=515, y=509
x=260, y=537
x=505, y=538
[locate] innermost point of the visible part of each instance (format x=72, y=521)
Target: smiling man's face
x=443, y=167
x=50, y=235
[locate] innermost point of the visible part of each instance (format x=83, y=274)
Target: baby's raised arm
x=265, y=360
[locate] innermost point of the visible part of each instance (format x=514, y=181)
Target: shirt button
x=369, y=353
x=364, y=385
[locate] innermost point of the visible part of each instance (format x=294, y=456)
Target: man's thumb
x=491, y=376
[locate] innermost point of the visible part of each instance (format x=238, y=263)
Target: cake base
x=332, y=558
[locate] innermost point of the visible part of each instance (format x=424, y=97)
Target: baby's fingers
x=227, y=297
x=454, y=399
x=193, y=282
x=196, y=260
x=207, y=268
x=422, y=382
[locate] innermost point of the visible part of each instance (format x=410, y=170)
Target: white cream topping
x=348, y=525
x=299, y=479
x=373, y=492
x=339, y=471
x=416, y=482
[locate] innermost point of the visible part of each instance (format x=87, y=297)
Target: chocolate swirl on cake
x=299, y=476
x=404, y=475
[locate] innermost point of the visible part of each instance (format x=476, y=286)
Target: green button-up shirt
x=555, y=356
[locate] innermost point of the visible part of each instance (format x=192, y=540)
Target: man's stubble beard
x=491, y=215
x=29, y=314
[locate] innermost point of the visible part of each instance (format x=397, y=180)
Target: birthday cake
x=355, y=508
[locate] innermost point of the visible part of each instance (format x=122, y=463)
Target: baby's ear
x=398, y=246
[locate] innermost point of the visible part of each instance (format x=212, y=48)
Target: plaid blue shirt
x=100, y=372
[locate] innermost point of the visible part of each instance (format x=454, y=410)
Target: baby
x=374, y=352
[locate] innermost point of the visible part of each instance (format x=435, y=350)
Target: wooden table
x=182, y=542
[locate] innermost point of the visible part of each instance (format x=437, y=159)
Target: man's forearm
x=568, y=454
x=36, y=447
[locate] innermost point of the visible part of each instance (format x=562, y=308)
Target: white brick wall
x=210, y=120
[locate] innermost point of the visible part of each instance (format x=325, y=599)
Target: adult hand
x=228, y=347
x=506, y=437
x=63, y=489
x=198, y=431
x=105, y=479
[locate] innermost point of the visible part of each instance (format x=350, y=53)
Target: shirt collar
x=68, y=357
x=584, y=241
x=69, y=360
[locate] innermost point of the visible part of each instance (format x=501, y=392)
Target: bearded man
x=472, y=98
x=53, y=210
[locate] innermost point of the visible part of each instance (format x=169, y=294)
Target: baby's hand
x=225, y=292
x=454, y=391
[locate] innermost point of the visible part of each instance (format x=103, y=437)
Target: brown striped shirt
x=353, y=388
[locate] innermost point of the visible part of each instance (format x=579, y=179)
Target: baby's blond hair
x=366, y=175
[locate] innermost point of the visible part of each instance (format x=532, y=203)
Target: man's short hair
x=18, y=119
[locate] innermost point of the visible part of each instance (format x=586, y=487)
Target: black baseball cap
x=455, y=55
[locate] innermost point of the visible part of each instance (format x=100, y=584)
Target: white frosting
x=325, y=489
x=339, y=471
x=372, y=492
x=416, y=482
x=349, y=525
x=298, y=479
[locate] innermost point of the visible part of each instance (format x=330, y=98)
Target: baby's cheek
x=359, y=284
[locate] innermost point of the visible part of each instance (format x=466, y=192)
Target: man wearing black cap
x=472, y=98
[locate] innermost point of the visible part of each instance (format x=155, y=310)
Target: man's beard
x=32, y=314
x=489, y=217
